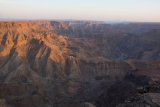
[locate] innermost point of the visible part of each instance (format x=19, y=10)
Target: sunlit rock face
x=74, y=64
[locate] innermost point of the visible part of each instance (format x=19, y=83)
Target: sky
x=100, y=10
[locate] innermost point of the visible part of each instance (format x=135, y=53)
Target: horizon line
x=76, y=20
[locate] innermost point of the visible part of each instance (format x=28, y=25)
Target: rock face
x=117, y=42
x=40, y=67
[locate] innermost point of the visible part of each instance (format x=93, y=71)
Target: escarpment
x=50, y=64
x=35, y=46
x=46, y=64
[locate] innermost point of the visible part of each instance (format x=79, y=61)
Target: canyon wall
x=57, y=64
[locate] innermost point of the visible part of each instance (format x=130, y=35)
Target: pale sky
x=101, y=10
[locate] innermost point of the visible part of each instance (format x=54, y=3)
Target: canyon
x=79, y=64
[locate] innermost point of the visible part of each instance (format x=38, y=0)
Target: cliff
x=39, y=66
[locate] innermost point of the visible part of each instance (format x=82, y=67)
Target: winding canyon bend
x=79, y=64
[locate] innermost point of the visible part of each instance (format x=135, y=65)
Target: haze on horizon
x=101, y=10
